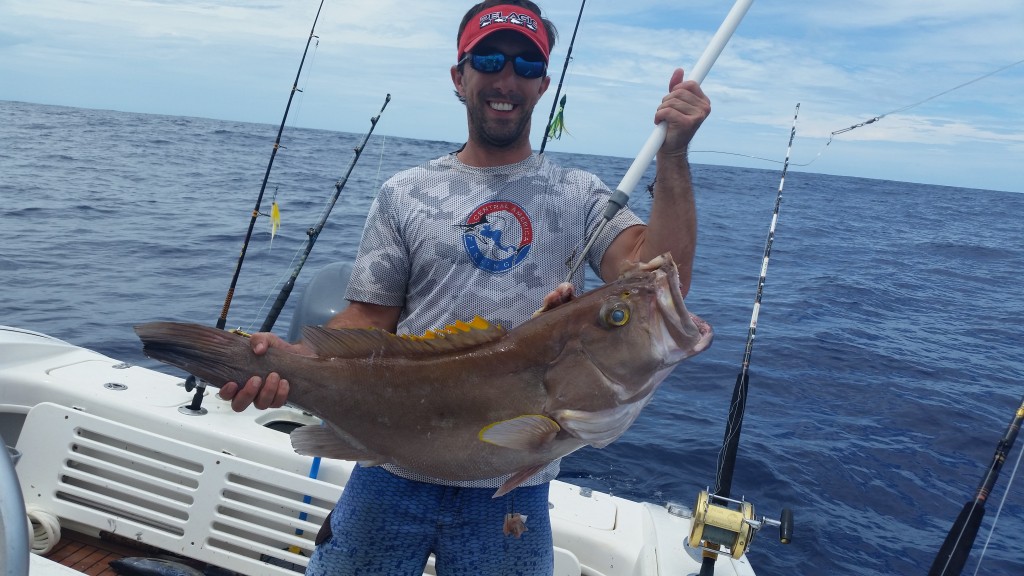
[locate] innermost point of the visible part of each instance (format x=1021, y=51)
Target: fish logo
x=497, y=236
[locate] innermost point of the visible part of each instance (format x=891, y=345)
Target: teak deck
x=92, y=556
x=87, y=554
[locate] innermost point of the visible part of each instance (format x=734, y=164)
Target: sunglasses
x=494, y=62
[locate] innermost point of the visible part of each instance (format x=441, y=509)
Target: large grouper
x=470, y=401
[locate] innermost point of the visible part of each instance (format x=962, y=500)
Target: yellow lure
x=275, y=219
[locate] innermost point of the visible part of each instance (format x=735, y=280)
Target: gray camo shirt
x=447, y=241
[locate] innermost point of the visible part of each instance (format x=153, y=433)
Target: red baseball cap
x=504, y=17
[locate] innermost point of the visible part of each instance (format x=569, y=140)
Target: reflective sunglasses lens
x=495, y=62
x=488, y=63
x=528, y=68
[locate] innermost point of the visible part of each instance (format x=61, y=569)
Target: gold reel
x=714, y=523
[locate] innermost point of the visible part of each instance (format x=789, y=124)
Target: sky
x=844, y=62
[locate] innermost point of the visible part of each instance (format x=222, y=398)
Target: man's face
x=500, y=104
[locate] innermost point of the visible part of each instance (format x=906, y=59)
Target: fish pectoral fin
x=599, y=429
x=518, y=478
x=330, y=442
x=528, y=432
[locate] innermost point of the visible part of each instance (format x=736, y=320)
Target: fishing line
x=995, y=519
x=380, y=162
x=834, y=133
x=312, y=66
x=928, y=99
x=904, y=109
x=773, y=161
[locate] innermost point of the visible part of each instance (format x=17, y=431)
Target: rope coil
x=44, y=529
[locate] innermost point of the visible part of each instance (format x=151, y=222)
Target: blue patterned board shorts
x=385, y=525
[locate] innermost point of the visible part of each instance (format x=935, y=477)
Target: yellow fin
x=527, y=432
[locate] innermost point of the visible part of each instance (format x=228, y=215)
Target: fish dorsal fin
x=363, y=342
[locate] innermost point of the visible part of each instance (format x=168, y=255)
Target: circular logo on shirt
x=497, y=236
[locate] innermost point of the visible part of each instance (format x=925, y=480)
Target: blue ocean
x=888, y=361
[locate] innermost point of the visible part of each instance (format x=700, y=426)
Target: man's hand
x=562, y=293
x=269, y=392
x=684, y=108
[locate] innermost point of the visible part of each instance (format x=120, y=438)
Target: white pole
x=620, y=197
x=700, y=70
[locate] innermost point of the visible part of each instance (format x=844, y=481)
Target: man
x=486, y=230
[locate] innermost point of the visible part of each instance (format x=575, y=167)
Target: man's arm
x=672, y=226
x=366, y=315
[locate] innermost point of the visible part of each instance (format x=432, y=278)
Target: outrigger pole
x=621, y=195
x=561, y=79
x=957, y=546
x=223, y=319
x=314, y=232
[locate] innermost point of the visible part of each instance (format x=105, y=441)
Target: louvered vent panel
x=211, y=506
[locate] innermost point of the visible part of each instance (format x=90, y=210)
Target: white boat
x=112, y=451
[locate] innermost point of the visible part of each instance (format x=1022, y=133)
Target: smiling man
x=487, y=230
x=499, y=105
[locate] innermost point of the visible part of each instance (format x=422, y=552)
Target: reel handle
x=785, y=524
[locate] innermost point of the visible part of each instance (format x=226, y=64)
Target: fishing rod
x=223, y=319
x=737, y=408
x=314, y=232
x=620, y=197
x=957, y=546
x=561, y=79
x=736, y=528
x=193, y=383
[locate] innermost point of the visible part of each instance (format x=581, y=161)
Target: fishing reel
x=724, y=526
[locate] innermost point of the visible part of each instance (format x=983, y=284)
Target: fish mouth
x=683, y=334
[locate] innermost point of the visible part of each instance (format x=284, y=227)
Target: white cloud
x=846, y=62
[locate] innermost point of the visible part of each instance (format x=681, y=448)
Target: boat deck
x=87, y=555
x=92, y=556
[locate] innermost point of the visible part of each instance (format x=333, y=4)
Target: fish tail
x=214, y=355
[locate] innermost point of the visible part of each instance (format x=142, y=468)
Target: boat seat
x=321, y=299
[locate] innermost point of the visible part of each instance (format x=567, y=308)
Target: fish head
x=633, y=331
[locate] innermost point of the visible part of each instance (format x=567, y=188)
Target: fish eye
x=615, y=315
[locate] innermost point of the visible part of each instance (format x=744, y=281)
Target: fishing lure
x=558, y=123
